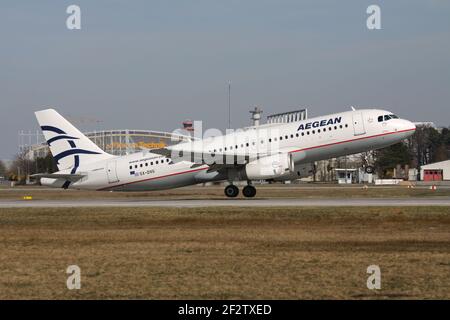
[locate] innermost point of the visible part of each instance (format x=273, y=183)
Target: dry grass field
x=225, y=253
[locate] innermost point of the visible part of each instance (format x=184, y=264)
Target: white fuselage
x=307, y=141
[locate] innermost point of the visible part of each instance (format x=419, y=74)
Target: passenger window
x=131, y=167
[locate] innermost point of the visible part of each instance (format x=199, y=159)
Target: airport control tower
x=256, y=115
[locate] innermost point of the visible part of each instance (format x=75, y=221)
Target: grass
x=225, y=253
x=216, y=192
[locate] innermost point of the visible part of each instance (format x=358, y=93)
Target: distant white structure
x=425, y=124
x=288, y=117
x=345, y=176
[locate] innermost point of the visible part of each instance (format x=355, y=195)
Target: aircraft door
x=358, y=124
x=111, y=171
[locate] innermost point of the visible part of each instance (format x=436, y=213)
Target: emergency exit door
x=358, y=124
x=111, y=171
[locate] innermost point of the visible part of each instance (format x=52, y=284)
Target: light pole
x=229, y=104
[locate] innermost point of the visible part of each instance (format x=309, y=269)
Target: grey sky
x=152, y=64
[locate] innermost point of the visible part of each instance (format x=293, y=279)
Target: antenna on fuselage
x=353, y=108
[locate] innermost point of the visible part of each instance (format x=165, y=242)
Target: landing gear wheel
x=369, y=169
x=231, y=191
x=249, y=191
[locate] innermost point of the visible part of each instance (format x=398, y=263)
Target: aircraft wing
x=69, y=177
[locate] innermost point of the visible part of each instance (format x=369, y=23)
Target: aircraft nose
x=410, y=126
x=406, y=127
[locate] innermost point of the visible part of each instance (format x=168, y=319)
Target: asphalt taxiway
x=255, y=202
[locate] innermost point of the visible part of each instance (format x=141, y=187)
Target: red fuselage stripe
x=340, y=142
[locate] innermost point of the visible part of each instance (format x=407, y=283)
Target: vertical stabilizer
x=69, y=147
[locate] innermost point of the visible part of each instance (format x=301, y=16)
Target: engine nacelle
x=270, y=167
x=300, y=171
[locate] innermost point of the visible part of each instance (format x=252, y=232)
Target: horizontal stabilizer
x=68, y=177
x=161, y=151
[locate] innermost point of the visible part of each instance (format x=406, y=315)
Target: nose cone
x=413, y=126
x=406, y=127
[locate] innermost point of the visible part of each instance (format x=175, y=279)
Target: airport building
x=116, y=142
x=437, y=171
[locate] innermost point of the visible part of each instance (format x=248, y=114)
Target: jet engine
x=300, y=171
x=269, y=167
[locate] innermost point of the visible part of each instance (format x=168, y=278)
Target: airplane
x=267, y=152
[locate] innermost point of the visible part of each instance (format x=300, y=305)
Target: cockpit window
x=387, y=117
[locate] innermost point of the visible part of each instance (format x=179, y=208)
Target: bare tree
x=2, y=169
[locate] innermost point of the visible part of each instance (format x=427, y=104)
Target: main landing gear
x=249, y=191
x=231, y=191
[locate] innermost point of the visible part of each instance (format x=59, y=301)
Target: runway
x=261, y=202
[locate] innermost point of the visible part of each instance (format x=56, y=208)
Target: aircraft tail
x=69, y=147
